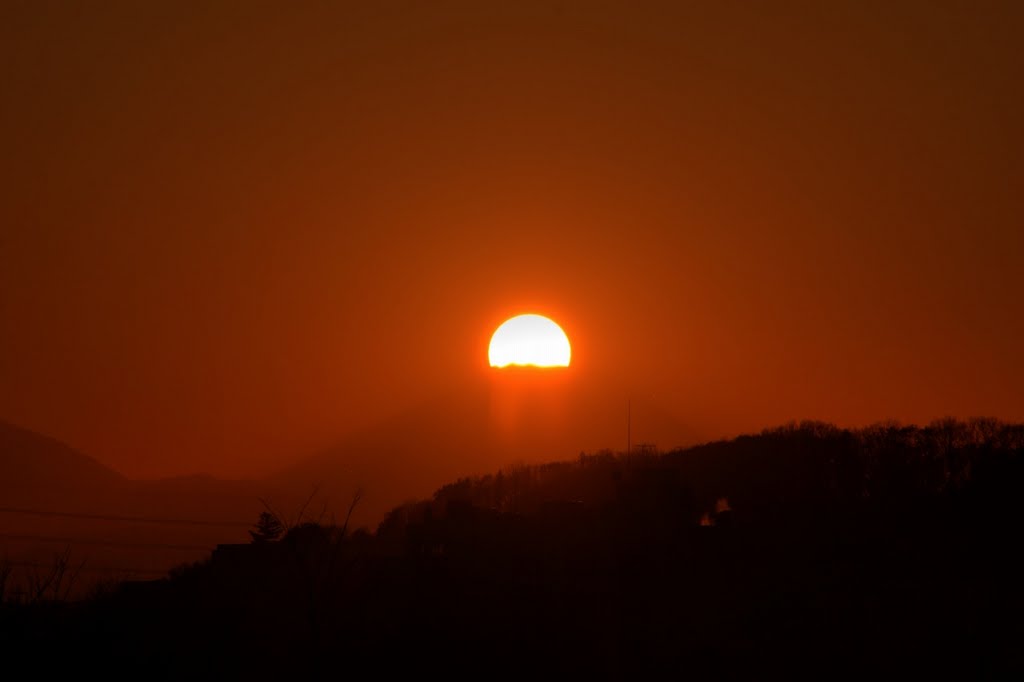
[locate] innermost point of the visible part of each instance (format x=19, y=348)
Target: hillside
x=55, y=500
x=35, y=468
x=804, y=551
x=472, y=429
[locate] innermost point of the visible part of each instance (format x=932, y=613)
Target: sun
x=529, y=340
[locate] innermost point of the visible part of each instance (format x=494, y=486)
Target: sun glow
x=529, y=340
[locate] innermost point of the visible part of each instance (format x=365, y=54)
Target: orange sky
x=230, y=236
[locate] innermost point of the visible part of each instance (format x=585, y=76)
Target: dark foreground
x=803, y=552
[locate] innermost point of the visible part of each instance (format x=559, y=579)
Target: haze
x=231, y=236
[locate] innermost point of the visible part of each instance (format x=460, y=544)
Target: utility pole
x=629, y=426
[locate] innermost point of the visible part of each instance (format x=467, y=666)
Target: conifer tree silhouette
x=268, y=528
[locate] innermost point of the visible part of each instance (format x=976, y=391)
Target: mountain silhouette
x=801, y=549
x=54, y=498
x=37, y=469
x=521, y=416
x=42, y=473
x=474, y=428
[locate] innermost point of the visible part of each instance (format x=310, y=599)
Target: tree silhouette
x=268, y=528
x=888, y=547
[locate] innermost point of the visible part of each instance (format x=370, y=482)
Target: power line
x=128, y=519
x=106, y=543
x=86, y=568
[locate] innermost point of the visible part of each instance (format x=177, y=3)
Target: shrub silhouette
x=824, y=549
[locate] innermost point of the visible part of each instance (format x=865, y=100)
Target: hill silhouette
x=40, y=472
x=35, y=468
x=804, y=551
x=55, y=499
x=517, y=417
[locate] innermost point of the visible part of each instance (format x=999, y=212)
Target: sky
x=232, y=233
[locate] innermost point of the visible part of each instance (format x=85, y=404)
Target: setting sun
x=529, y=340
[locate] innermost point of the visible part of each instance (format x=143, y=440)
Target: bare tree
x=57, y=582
x=289, y=522
x=357, y=496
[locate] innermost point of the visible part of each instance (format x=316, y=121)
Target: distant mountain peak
x=28, y=457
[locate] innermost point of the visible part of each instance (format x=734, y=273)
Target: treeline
x=803, y=551
x=781, y=474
